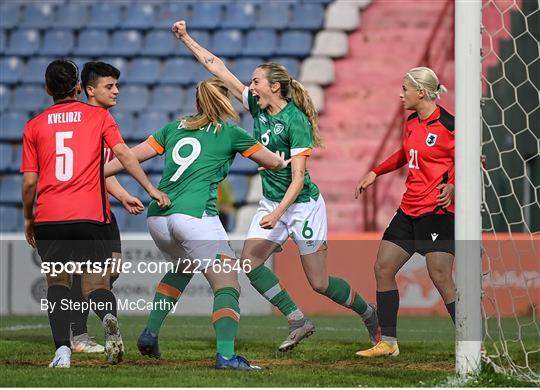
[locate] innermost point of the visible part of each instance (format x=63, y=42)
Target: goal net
x=510, y=113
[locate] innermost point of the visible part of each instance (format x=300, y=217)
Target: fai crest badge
x=431, y=139
x=278, y=128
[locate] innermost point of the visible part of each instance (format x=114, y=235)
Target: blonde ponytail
x=425, y=79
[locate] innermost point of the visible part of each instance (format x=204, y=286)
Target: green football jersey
x=289, y=131
x=195, y=162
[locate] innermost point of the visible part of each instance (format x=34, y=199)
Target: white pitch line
x=22, y=327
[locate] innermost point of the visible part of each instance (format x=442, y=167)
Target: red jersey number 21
x=413, y=162
x=64, y=156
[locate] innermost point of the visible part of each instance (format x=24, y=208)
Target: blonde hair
x=294, y=90
x=213, y=105
x=425, y=79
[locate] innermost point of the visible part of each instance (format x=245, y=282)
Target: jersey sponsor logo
x=431, y=139
x=434, y=236
x=263, y=119
x=278, y=128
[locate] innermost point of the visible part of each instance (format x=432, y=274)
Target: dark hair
x=93, y=70
x=61, y=78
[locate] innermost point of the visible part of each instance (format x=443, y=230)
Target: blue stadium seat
x=206, y=15
x=104, y=15
x=133, y=98
x=5, y=97
x=155, y=164
x=118, y=62
x=38, y=16
x=240, y=186
x=294, y=43
x=34, y=71
x=158, y=43
x=58, y=43
x=10, y=70
x=30, y=98
x=273, y=14
x=151, y=121
x=307, y=17
x=139, y=16
x=243, y=68
x=247, y=122
x=143, y=71
x=179, y=71
x=136, y=223
x=202, y=37
x=6, y=153
x=9, y=15
x=292, y=65
x=239, y=15
x=227, y=43
x=13, y=123
x=3, y=40
x=72, y=15
x=120, y=214
x=16, y=159
x=10, y=188
x=168, y=13
x=323, y=2
x=125, y=43
x=23, y=42
x=260, y=43
x=244, y=165
x=125, y=121
x=92, y=43
x=128, y=183
x=167, y=98
x=11, y=219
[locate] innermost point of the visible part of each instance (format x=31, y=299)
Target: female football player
x=424, y=222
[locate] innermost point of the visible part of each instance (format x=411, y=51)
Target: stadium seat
x=57, y=43
x=30, y=98
x=243, y=68
x=10, y=70
x=261, y=43
x=34, y=71
x=343, y=16
x=334, y=44
x=120, y=214
x=5, y=97
x=158, y=43
x=143, y=71
x=317, y=70
x=6, y=153
x=128, y=183
x=136, y=223
x=126, y=43
x=206, y=15
x=10, y=188
x=71, y=15
x=247, y=122
x=13, y=123
x=292, y=65
x=139, y=16
x=38, y=16
x=9, y=15
x=118, y=62
x=244, y=216
x=104, y=15
x=133, y=98
x=202, y=37
x=243, y=165
x=23, y=43
x=16, y=159
x=226, y=43
x=125, y=121
x=307, y=17
x=239, y=15
x=2, y=41
x=239, y=184
x=273, y=14
x=10, y=217
x=151, y=121
x=179, y=71
x=155, y=164
x=168, y=13
x=92, y=43
x=294, y=43
x=167, y=98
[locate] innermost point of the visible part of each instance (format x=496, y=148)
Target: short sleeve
x=29, y=152
x=158, y=140
x=111, y=132
x=300, y=135
x=250, y=103
x=242, y=142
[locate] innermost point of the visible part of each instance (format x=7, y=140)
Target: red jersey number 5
x=64, y=156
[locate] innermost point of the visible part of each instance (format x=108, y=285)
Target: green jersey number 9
x=184, y=162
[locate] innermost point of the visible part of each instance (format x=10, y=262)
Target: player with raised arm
x=63, y=165
x=424, y=222
x=285, y=121
x=199, y=150
x=99, y=82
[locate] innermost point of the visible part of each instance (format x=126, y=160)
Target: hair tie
x=291, y=80
x=438, y=86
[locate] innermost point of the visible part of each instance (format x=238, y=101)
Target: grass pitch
x=187, y=344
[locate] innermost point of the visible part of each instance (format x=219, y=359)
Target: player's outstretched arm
x=142, y=152
x=363, y=184
x=129, y=161
x=131, y=203
x=268, y=160
x=211, y=62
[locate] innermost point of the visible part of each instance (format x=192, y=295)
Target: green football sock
x=341, y=292
x=225, y=317
x=267, y=284
x=167, y=293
